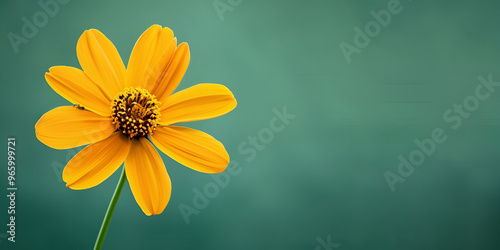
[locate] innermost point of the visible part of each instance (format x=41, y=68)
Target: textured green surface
x=322, y=177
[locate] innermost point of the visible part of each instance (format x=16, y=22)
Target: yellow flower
x=116, y=111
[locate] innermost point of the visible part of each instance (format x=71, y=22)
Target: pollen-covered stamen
x=135, y=112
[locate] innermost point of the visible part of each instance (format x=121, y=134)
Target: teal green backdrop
x=359, y=125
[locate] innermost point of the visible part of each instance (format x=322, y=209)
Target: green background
x=322, y=177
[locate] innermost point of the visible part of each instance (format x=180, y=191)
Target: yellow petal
x=75, y=86
x=96, y=162
x=144, y=66
x=192, y=148
x=68, y=127
x=148, y=177
x=159, y=67
x=172, y=75
x=202, y=101
x=101, y=61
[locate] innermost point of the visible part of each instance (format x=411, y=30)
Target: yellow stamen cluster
x=135, y=112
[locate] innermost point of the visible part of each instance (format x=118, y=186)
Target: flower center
x=135, y=112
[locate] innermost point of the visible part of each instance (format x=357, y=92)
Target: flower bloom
x=119, y=112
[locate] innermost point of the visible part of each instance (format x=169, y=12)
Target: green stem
x=109, y=213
